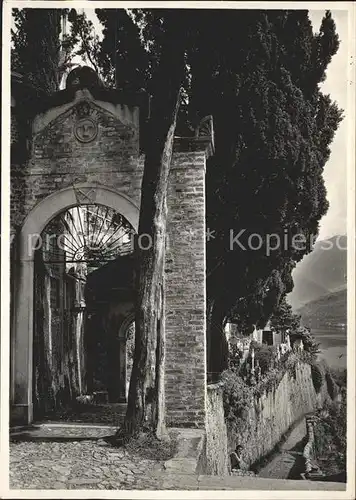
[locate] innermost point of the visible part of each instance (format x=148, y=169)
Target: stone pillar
x=185, y=289
x=22, y=407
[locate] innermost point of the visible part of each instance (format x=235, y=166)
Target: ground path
x=74, y=456
x=288, y=463
x=68, y=457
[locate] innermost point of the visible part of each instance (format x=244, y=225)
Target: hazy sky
x=334, y=222
x=335, y=173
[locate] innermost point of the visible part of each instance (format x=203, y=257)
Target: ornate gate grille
x=91, y=234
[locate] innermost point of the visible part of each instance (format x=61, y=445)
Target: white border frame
x=5, y=288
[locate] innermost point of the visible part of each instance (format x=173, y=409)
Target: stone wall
x=185, y=292
x=59, y=160
x=275, y=412
x=112, y=159
x=216, y=459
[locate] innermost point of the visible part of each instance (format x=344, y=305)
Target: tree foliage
x=124, y=59
x=35, y=52
x=82, y=40
x=284, y=319
x=273, y=131
x=257, y=73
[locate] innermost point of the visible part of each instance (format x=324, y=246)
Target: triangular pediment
x=86, y=114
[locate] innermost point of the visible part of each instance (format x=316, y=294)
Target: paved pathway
x=76, y=457
x=286, y=464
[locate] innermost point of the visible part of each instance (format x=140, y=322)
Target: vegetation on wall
x=264, y=355
x=330, y=437
x=240, y=392
x=331, y=384
x=238, y=398
x=322, y=373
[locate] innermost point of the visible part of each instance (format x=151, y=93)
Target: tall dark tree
x=122, y=54
x=36, y=46
x=283, y=317
x=258, y=76
x=257, y=72
x=146, y=405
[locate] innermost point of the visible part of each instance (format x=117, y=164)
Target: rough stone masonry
x=84, y=145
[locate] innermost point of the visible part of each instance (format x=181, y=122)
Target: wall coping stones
x=203, y=139
x=216, y=386
x=190, y=445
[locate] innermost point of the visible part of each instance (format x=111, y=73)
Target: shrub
x=291, y=364
x=309, y=342
x=340, y=377
x=317, y=374
x=330, y=437
x=270, y=382
x=322, y=439
x=147, y=446
x=265, y=355
x=238, y=397
x=235, y=356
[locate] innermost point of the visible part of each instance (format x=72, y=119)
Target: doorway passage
x=83, y=303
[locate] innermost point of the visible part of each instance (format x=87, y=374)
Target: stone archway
x=36, y=221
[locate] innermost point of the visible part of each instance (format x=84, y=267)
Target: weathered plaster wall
x=216, y=459
x=274, y=413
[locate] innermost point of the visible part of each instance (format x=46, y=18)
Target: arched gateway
x=81, y=148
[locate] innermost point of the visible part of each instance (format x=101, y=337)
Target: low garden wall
x=215, y=458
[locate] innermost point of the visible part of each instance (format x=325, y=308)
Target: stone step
x=202, y=482
x=190, y=445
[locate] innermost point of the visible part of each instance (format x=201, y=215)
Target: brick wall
x=58, y=160
x=185, y=292
x=113, y=160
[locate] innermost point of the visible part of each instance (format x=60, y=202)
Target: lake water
x=332, y=346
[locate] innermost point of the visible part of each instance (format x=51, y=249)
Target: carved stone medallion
x=85, y=130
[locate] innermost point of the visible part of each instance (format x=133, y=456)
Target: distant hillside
x=326, y=312
x=321, y=273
